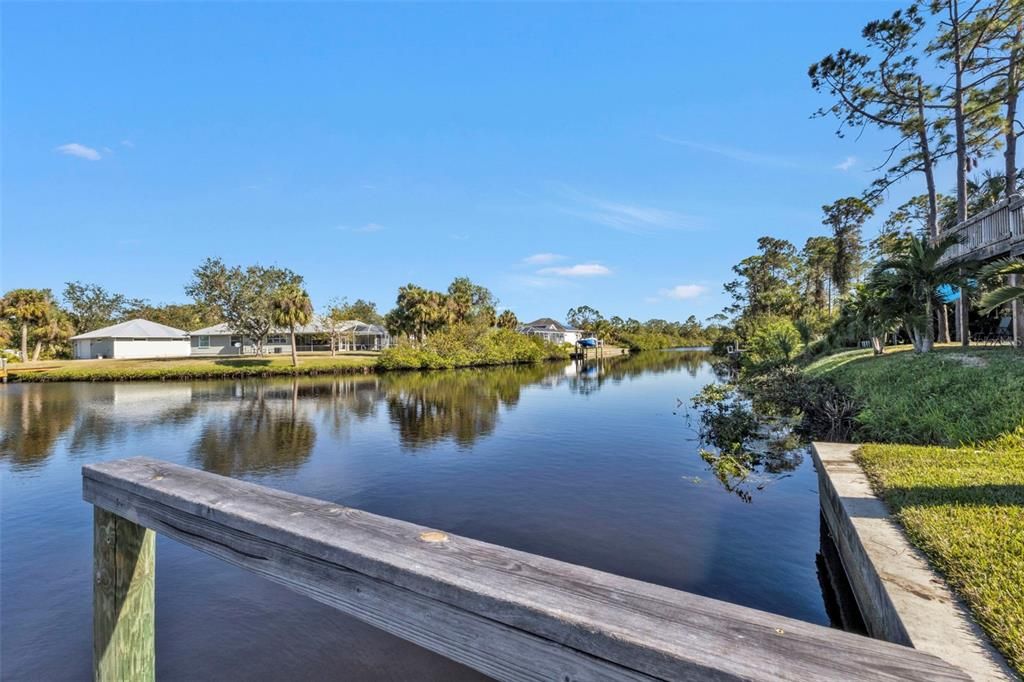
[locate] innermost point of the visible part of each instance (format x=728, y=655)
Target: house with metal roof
x=220, y=339
x=132, y=339
x=551, y=330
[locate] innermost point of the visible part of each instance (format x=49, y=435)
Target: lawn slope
x=949, y=397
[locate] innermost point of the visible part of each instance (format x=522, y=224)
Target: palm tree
x=1005, y=294
x=26, y=307
x=55, y=328
x=290, y=307
x=868, y=313
x=508, y=320
x=911, y=281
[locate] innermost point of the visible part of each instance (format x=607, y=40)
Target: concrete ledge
x=900, y=597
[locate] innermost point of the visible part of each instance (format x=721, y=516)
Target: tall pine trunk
x=24, y=341
x=960, y=126
x=1010, y=168
x=928, y=167
x=1012, y=95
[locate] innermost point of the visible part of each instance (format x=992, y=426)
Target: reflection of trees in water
x=262, y=425
x=344, y=400
x=34, y=417
x=591, y=374
x=460, y=404
x=744, y=469
x=266, y=432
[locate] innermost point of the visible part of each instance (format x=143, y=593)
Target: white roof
x=221, y=328
x=135, y=329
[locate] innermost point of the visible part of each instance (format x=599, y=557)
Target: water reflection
x=34, y=417
x=265, y=431
x=460, y=405
x=261, y=426
x=587, y=376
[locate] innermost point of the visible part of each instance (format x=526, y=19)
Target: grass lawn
x=949, y=397
x=965, y=508
x=945, y=450
x=188, y=368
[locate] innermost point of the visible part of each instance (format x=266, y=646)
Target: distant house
x=220, y=339
x=551, y=330
x=132, y=339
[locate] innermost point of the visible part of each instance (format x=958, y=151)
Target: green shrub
x=773, y=340
x=816, y=349
x=723, y=343
x=470, y=346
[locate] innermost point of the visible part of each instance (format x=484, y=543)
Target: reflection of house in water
x=146, y=401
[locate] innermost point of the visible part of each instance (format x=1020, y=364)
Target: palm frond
x=1003, y=266
x=1000, y=297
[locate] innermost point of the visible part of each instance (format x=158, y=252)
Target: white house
x=552, y=330
x=132, y=339
x=221, y=340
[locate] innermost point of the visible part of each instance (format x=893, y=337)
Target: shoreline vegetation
x=431, y=355
x=942, y=441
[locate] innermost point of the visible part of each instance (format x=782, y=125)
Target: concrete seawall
x=900, y=597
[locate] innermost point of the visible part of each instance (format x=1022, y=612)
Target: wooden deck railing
x=994, y=232
x=508, y=614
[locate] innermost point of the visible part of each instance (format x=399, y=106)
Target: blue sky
x=618, y=155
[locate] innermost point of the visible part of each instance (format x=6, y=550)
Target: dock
x=506, y=613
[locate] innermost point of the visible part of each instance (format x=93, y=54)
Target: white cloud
x=543, y=258
x=846, y=164
x=127, y=143
x=735, y=153
x=79, y=150
x=580, y=270
x=624, y=216
x=368, y=227
x=683, y=292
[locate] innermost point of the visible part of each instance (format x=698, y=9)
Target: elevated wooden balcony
x=994, y=233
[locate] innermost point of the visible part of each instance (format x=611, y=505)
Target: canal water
x=596, y=464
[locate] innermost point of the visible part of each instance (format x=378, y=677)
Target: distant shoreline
x=188, y=369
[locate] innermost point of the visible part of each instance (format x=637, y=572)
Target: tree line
x=256, y=299
x=941, y=80
x=636, y=335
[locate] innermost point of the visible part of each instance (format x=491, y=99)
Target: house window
x=203, y=342
x=276, y=340
x=236, y=341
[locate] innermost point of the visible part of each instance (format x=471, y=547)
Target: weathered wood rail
x=997, y=231
x=508, y=614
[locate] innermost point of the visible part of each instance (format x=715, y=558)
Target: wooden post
x=1017, y=310
x=123, y=599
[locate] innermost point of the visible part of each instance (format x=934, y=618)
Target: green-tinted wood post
x=123, y=599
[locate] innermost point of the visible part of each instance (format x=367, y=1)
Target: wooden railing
x=505, y=613
x=993, y=232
